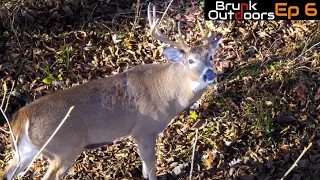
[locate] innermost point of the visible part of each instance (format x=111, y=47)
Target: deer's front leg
x=147, y=153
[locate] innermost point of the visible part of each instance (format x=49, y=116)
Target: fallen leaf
x=317, y=95
x=67, y=10
x=27, y=16
x=209, y=162
x=193, y=115
x=301, y=90
x=286, y=119
x=48, y=80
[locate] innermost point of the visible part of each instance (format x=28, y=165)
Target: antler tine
x=179, y=31
x=154, y=17
x=151, y=19
x=183, y=45
x=212, y=37
x=158, y=35
x=181, y=39
x=149, y=16
x=201, y=30
x=207, y=40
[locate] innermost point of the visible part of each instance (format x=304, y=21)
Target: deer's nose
x=209, y=76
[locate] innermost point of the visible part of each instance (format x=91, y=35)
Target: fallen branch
x=165, y=11
x=296, y=162
x=14, y=139
x=158, y=22
x=5, y=91
x=193, y=151
x=312, y=47
x=50, y=138
x=8, y=98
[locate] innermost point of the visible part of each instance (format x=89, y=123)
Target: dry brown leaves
x=264, y=111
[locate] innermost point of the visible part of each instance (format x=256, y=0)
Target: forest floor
x=253, y=124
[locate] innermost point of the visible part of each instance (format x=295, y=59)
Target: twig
x=5, y=131
x=5, y=89
x=193, y=151
x=296, y=162
x=165, y=12
x=12, y=27
x=158, y=22
x=8, y=98
x=14, y=140
x=298, y=63
x=7, y=120
x=50, y=138
x=307, y=50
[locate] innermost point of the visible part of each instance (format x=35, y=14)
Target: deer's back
x=104, y=109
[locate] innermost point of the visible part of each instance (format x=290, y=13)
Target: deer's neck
x=179, y=86
x=166, y=88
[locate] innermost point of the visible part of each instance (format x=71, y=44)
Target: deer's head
x=198, y=60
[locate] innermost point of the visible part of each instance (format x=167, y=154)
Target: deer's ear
x=173, y=55
x=214, y=46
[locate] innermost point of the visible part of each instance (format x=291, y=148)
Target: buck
x=139, y=103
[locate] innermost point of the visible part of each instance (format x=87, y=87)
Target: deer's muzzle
x=209, y=76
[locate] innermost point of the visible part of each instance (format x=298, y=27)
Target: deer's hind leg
x=21, y=160
x=59, y=165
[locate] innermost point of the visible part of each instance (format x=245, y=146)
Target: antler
x=206, y=40
x=157, y=34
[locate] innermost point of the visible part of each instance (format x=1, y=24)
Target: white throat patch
x=197, y=86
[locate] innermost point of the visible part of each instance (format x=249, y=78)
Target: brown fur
x=18, y=122
x=150, y=99
x=139, y=103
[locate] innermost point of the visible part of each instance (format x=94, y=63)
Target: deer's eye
x=191, y=61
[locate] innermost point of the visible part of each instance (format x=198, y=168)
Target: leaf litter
x=252, y=125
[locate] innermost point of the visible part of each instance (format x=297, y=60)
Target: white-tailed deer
x=139, y=103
